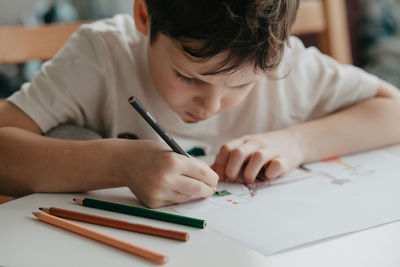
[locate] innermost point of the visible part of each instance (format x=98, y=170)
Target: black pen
x=153, y=123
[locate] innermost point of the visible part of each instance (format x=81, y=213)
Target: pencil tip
x=41, y=208
x=78, y=200
x=36, y=214
x=74, y=199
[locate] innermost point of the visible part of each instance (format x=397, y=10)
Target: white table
x=26, y=241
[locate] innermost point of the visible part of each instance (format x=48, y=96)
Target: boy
x=220, y=75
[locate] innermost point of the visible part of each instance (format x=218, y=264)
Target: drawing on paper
x=221, y=193
x=351, y=169
x=294, y=176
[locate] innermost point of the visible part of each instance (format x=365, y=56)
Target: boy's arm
x=366, y=125
x=30, y=162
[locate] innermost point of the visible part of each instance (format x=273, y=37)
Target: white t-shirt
x=89, y=81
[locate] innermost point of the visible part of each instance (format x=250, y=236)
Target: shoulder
x=122, y=25
x=119, y=30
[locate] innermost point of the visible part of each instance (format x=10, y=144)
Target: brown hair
x=251, y=31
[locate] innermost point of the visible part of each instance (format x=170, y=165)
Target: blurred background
x=373, y=26
x=36, y=12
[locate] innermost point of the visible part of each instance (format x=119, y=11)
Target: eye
x=185, y=79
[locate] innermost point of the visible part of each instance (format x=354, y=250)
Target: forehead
x=181, y=59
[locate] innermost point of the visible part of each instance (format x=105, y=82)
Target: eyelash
x=184, y=78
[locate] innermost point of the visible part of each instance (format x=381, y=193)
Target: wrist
x=108, y=156
x=123, y=157
x=297, y=146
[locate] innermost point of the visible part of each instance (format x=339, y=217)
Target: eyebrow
x=197, y=80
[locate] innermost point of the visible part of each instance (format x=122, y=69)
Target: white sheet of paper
x=341, y=196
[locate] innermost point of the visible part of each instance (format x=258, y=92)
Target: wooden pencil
x=147, y=213
x=140, y=228
x=103, y=238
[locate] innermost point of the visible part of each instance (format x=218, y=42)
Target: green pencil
x=141, y=212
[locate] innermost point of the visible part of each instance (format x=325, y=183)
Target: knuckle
x=203, y=172
x=224, y=149
x=197, y=189
x=169, y=160
x=164, y=181
x=258, y=156
x=238, y=152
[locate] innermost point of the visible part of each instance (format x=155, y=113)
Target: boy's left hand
x=275, y=153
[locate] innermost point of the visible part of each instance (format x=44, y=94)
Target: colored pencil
x=99, y=220
x=105, y=239
x=156, y=127
x=141, y=212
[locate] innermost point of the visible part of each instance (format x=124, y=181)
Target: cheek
x=234, y=99
x=172, y=90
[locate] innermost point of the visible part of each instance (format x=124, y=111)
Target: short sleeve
x=319, y=85
x=68, y=88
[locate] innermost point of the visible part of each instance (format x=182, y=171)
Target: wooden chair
x=20, y=44
x=327, y=19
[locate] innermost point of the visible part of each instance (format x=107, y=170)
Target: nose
x=209, y=101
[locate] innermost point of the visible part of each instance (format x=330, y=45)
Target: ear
x=141, y=16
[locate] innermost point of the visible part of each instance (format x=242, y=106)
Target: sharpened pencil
x=103, y=238
x=99, y=220
x=147, y=213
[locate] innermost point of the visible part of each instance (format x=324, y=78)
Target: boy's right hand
x=158, y=176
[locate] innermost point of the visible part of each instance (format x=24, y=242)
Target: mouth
x=194, y=118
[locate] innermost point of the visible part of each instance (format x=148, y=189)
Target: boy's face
x=193, y=96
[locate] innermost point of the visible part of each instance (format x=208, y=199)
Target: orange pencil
x=105, y=239
x=140, y=228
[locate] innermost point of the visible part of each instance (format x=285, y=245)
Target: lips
x=196, y=117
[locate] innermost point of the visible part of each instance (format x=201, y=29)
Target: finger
x=200, y=171
x=192, y=187
x=256, y=162
x=275, y=168
x=220, y=161
x=237, y=158
x=223, y=155
x=214, y=168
